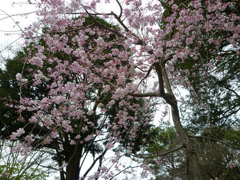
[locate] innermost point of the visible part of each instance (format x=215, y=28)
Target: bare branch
x=8, y=15
x=232, y=91
x=168, y=97
x=171, y=151
x=140, y=42
x=94, y=162
x=145, y=94
x=166, y=79
x=158, y=69
x=121, y=9
x=103, y=26
x=162, y=154
x=213, y=139
x=150, y=69
x=121, y=22
x=123, y=171
x=20, y=14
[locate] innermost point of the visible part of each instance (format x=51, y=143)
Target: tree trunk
x=72, y=171
x=62, y=177
x=194, y=168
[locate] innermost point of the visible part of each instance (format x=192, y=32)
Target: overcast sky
x=9, y=32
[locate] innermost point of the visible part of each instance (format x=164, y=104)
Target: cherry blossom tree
x=140, y=62
x=74, y=144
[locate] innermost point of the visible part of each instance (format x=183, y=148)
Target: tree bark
x=72, y=170
x=194, y=168
x=61, y=173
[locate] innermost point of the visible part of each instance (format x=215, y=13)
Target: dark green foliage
x=10, y=120
x=9, y=89
x=214, y=156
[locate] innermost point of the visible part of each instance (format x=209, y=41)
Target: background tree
x=166, y=156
